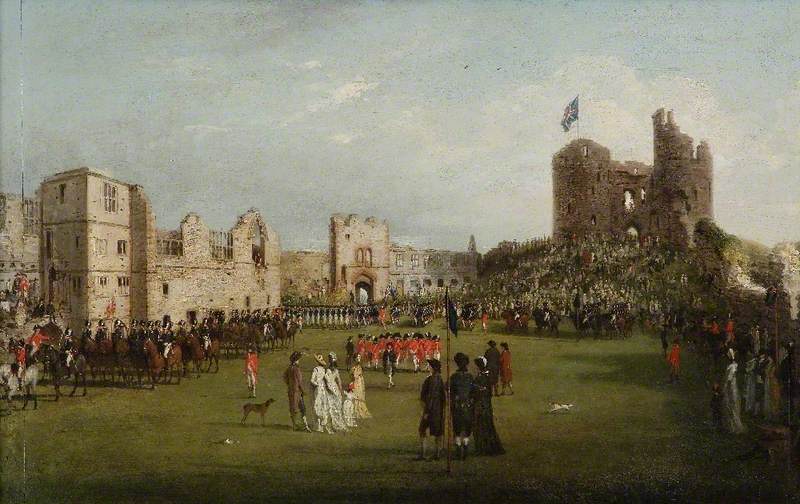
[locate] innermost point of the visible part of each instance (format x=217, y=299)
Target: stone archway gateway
x=633, y=232
x=363, y=292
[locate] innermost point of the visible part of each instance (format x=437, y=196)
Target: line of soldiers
x=344, y=317
x=413, y=348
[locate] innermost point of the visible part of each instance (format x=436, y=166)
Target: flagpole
x=448, y=429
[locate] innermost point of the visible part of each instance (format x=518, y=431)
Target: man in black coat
x=461, y=404
x=433, y=401
x=493, y=365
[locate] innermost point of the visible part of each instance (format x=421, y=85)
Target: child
x=674, y=360
x=251, y=369
x=349, y=406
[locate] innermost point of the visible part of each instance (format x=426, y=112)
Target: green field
x=630, y=438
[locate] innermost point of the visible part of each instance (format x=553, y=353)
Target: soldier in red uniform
x=251, y=369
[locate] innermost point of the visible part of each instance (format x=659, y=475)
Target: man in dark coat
x=461, y=404
x=294, y=385
x=493, y=365
x=433, y=401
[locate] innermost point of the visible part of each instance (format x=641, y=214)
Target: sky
x=440, y=117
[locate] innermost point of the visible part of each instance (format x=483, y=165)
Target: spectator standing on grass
x=506, y=376
x=251, y=369
x=432, y=396
x=492, y=356
x=674, y=361
x=731, y=405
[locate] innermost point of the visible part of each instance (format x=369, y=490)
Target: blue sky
x=441, y=117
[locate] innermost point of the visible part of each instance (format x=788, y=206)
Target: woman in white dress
x=731, y=405
x=321, y=396
x=348, y=408
x=333, y=384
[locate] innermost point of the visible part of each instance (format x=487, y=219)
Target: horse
x=516, y=319
x=546, y=319
x=194, y=351
x=157, y=365
x=50, y=359
x=212, y=354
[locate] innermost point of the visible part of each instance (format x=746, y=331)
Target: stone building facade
x=19, y=240
x=593, y=194
x=363, y=261
x=102, y=256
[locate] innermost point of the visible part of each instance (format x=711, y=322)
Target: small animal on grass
x=557, y=408
x=260, y=408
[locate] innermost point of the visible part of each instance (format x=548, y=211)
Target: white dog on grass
x=558, y=407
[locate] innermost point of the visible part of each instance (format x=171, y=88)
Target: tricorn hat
x=435, y=364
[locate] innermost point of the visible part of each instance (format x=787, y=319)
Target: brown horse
x=156, y=364
x=196, y=352
x=100, y=358
x=513, y=322
x=212, y=354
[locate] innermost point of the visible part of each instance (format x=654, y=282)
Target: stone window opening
x=62, y=188
x=415, y=260
x=427, y=282
x=110, y=197
x=398, y=260
x=258, y=239
x=344, y=273
x=569, y=208
x=592, y=190
x=585, y=151
x=454, y=282
x=360, y=257
x=122, y=247
x=102, y=281
x=598, y=176
x=695, y=193
x=643, y=194
x=629, y=200
x=123, y=285
x=221, y=245
x=368, y=257
x=100, y=246
x=48, y=244
x=165, y=289
x=594, y=220
x=169, y=247
x=440, y=282
x=77, y=242
x=30, y=211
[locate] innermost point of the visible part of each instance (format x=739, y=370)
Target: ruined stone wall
x=195, y=282
x=589, y=188
x=353, y=242
x=306, y=272
x=19, y=244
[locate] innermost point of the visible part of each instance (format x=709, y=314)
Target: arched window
x=643, y=194
x=594, y=220
x=629, y=200
x=569, y=208
x=585, y=151
x=369, y=258
x=360, y=256
x=695, y=193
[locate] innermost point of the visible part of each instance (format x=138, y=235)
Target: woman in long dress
x=321, y=397
x=359, y=390
x=731, y=405
x=333, y=384
x=484, y=434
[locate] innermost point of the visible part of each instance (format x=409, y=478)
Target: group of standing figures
x=471, y=410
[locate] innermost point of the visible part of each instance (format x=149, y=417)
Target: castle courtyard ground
x=631, y=437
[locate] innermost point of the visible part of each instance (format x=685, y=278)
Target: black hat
x=435, y=364
x=492, y=343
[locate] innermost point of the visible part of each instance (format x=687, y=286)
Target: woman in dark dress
x=487, y=442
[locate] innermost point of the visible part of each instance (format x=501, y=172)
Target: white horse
x=25, y=386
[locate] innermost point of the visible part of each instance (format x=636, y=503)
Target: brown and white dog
x=260, y=408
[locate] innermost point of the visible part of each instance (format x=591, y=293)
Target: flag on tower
x=570, y=114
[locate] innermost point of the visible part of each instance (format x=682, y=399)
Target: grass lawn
x=630, y=438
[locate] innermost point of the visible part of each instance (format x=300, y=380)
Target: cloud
x=309, y=65
x=343, y=94
x=205, y=129
x=342, y=138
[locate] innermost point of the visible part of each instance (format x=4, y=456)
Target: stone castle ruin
x=594, y=194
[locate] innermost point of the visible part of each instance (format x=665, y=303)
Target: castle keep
x=594, y=194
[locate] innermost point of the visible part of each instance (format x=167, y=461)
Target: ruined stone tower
x=594, y=194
